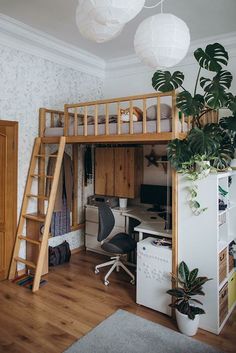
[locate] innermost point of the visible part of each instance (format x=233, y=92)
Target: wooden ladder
x=46, y=218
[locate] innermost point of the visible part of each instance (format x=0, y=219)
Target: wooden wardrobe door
x=124, y=172
x=104, y=171
x=8, y=193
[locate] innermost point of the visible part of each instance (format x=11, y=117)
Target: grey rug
x=123, y=332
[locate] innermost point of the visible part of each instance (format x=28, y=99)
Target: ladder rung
x=26, y=262
x=38, y=217
x=29, y=240
x=41, y=197
x=42, y=176
x=45, y=156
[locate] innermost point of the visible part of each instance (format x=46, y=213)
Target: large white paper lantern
x=162, y=40
x=113, y=11
x=91, y=29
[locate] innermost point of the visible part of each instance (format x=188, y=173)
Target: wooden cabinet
x=128, y=171
x=104, y=171
x=118, y=171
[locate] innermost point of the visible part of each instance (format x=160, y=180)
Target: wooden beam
x=123, y=138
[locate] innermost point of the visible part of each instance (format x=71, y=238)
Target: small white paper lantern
x=114, y=11
x=91, y=29
x=162, y=40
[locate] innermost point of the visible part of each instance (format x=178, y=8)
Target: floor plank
x=73, y=302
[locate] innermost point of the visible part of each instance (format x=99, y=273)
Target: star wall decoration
x=154, y=159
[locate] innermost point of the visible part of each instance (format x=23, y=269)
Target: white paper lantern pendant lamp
x=90, y=28
x=162, y=40
x=116, y=12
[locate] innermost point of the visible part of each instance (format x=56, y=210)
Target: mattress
x=137, y=127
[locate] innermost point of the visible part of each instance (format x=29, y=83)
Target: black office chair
x=118, y=245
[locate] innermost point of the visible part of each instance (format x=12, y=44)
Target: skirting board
x=77, y=250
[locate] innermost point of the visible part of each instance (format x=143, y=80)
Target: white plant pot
x=187, y=326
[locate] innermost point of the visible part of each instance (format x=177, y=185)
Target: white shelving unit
x=204, y=242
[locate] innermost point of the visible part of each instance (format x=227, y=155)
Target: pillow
x=166, y=112
x=137, y=114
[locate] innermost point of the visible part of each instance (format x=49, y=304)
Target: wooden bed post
x=42, y=121
x=42, y=162
x=174, y=192
x=75, y=156
x=66, y=120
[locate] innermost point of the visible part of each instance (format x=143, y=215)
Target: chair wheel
x=106, y=283
x=96, y=271
x=132, y=281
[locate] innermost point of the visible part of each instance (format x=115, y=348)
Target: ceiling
x=205, y=18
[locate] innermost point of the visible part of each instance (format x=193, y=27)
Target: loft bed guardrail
x=142, y=118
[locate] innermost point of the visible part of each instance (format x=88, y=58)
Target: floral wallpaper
x=27, y=83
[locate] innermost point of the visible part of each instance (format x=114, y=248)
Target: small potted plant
x=186, y=309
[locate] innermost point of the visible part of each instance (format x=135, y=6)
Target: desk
x=150, y=222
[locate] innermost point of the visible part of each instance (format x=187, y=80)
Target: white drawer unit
x=91, y=228
x=91, y=213
x=154, y=264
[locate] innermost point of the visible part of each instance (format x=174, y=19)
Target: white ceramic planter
x=187, y=326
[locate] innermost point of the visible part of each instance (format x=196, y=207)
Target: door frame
x=14, y=172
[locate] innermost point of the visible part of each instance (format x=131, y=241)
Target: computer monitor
x=160, y=196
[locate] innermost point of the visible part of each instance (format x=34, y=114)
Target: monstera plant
x=214, y=142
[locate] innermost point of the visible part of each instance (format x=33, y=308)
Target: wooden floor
x=73, y=302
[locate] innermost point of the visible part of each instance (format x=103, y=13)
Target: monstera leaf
x=231, y=102
x=190, y=105
x=228, y=123
x=202, y=143
x=178, y=153
x=223, y=154
x=163, y=81
x=216, y=98
x=222, y=79
x=212, y=58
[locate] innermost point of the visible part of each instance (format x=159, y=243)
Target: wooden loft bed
x=83, y=123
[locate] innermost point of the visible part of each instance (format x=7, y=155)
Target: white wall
x=28, y=82
x=153, y=174
x=137, y=78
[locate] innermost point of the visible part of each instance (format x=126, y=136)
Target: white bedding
x=138, y=128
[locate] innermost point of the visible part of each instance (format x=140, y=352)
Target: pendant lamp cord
x=153, y=6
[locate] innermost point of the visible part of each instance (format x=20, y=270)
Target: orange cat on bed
x=137, y=114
